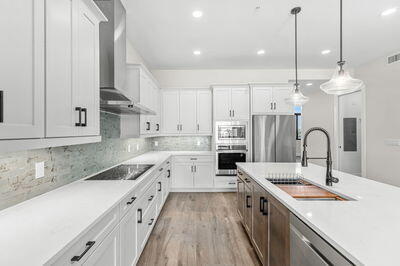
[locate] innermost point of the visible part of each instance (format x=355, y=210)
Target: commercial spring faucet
x=304, y=161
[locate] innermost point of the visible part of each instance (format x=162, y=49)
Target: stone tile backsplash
x=64, y=165
x=181, y=143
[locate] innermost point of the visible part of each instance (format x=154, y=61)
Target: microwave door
x=264, y=138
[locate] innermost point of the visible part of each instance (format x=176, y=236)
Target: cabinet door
x=22, y=69
x=240, y=195
x=260, y=222
x=86, y=70
x=157, y=117
x=144, y=84
x=160, y=190
x=204, y=112
x=60, y=105
x=248, y=208
x=183, y=175
x=128, y=233
x=170, y=111
x=262, y=100
x=280, y=105
x=167, y=182
x=240, y=104
x=187, y=111
x=222, y=103
x=203, y=175
x=279, y=232
x=108, y=253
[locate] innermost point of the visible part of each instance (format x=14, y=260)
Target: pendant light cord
x=341, y=62
x=295, y=50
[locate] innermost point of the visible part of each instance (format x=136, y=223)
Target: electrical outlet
x=137, y=147
x=156, y=143
x=129, y=147
x=198, y=143
x=39, y=170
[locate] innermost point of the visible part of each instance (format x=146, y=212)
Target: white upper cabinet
x=22, y=69
x=72, y=69
x=231, y=103
x=187, y=111
x=170, y=111
x=271, y=99
x=204, y=111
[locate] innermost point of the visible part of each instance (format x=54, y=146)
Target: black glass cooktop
x=123, y=172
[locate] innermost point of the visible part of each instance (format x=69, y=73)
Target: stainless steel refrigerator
x=274, y=138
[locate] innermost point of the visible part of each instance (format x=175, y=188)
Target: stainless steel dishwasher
x=307, y=248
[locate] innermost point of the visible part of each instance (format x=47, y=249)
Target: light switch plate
x=39, y=170
x=156, y=143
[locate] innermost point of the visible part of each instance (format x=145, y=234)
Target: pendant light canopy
x=341, y=82
x=296, y=98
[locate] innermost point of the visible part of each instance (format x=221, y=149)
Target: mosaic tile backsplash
x=64, y=165
x=181, y=143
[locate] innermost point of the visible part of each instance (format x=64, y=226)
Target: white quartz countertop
x=32, y=232
x=366, y=230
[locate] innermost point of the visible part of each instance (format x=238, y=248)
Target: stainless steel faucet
x=304, y=161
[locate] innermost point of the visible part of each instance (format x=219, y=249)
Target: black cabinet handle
x=161, y=169
x=147, y=125
x=1, y=106
x=265, y=207
x=89, y=245
x=157, y=127
x=79, y=109
x=151, y=222
x=132, y=200
x=140, y=213
x=159, y=188
x=84, y=110
x=262, y=204
x=247, y=201
x=169, y=173
x=151, y=198
x=233, y=113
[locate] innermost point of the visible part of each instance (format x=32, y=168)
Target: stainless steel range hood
x=113, y=85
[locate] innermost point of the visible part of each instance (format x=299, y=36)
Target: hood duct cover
x=113, y=61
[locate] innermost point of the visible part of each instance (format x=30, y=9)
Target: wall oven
x=227, y=156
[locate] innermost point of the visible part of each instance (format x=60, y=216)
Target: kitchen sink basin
x=288, y=181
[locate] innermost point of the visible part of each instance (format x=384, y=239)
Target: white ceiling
x=231, y=31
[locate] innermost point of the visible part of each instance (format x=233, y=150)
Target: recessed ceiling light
x=309, y=84
x=389, y=11
x=325, y=52
x=261, y=52
x=197, y=14
x=197, y=52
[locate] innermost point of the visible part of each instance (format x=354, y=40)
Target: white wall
x=132, y=55
x=201, y=78
x=382, y=119
x=318, y=112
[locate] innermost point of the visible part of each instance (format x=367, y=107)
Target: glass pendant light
x=296, y=98
x=341, y=82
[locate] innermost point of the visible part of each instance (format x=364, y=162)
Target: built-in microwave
x=231, y=132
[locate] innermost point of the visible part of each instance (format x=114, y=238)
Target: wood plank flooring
x=199, y=229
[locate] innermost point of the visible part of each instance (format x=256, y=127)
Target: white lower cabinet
x=192, y=172
x=128, y=232
x=108, y=253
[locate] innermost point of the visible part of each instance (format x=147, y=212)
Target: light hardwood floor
x=199, y=229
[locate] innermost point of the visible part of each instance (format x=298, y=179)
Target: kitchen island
x=357, y=228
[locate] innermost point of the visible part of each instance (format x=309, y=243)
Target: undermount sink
x=302, y=190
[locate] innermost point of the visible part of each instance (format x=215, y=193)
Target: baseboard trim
x=203, y=189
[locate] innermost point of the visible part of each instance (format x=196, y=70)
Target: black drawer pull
x=84, y=110
x=89, y=245
x=247, y=201
x=262, y=204
x=265, y=207
x=158, y=127
x=132, y=200
x=160, y=169
x=140, y=213
x=159, y=188
x=1, y=107
x=147, y=125
x=79, y=109
x=151, y=197
x=231, y=183
x=151, y=222
x=169, y=173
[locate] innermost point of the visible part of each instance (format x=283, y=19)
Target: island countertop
x=366, y=230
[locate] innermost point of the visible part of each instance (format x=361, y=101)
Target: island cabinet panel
x=240, y=196
x=260, y=223
x=248, y=219
x=279, y=233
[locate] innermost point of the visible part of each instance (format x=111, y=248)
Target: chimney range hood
x=113, y=62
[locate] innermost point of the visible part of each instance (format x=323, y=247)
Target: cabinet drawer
x=225, y=181
x=146, y=224
x=148, y=198
x=127, y=202
x=202, y=158
x=88, y=243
